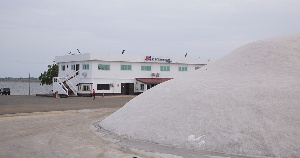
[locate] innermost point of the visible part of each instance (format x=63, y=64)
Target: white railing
x=58, y=83
x=59, y=86
x=69, y=76
x=72, y=87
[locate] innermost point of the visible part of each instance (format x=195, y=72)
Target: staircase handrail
x=64, y=87
x=66, y=80
x=62, y=84
x=69, y=75
x=72, y=87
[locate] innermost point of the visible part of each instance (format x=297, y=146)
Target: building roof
x=129, y=58
x=153, y=80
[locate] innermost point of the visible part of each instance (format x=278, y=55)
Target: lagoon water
x=22, y=87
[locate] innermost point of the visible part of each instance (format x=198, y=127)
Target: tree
x=46, y=77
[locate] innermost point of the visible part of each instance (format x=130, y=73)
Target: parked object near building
x=118, y=74
x=5, y=91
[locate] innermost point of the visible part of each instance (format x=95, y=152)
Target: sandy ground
x=27, y=104
x=73, y=133
x=33, y=126
x=60, y=134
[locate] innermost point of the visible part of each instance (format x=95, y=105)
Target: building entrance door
x=127, y=88
x=77, y=67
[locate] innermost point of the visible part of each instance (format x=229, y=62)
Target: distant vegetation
x=46, y=77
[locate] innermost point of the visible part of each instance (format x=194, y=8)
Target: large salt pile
x=248, y=102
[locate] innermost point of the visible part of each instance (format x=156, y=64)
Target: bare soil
x=27, y=104
x=27, y=131
x=69, y=128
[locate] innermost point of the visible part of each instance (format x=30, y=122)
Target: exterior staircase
x=64, y=85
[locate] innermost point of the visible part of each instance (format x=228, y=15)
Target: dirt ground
x=60, y=134
x=32, y=126
x=72, y=131
x=27, y=104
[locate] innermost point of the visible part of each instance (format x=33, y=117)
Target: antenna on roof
x=185, y=55
x=78, y=51
x=123, y=51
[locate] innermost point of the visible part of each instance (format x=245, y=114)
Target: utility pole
x=29, y=83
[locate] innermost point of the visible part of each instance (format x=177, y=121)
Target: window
x=103, y=67
x=142, y=86
x=85, y=66
x=164, y=68
x=197, y=67
x=73, y=67
x=125, y=67
x=182, y=68
x=146, y=68
x=86, y=88
x=63, y=67
x=103, y=87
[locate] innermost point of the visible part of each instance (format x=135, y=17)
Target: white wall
x=115, y=75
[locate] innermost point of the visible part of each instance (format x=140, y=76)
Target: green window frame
x=142, y=86
x=164, y=68
x=73, y=67
x=198, y=67
x=63, y=67
x=103, y=67
x=125, y=67
x=182, y=68
x=85, y=66
x=146, y=68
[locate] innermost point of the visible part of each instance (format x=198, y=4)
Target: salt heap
x=248, y=102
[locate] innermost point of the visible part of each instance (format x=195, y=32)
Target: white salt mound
x=248, y=102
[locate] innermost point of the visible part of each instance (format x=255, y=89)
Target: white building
x=117, y=74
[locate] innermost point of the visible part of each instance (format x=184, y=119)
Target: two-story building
x=115, y=74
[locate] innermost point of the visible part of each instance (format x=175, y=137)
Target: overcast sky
x=33, y=32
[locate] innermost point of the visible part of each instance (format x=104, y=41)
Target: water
x=22, y=87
